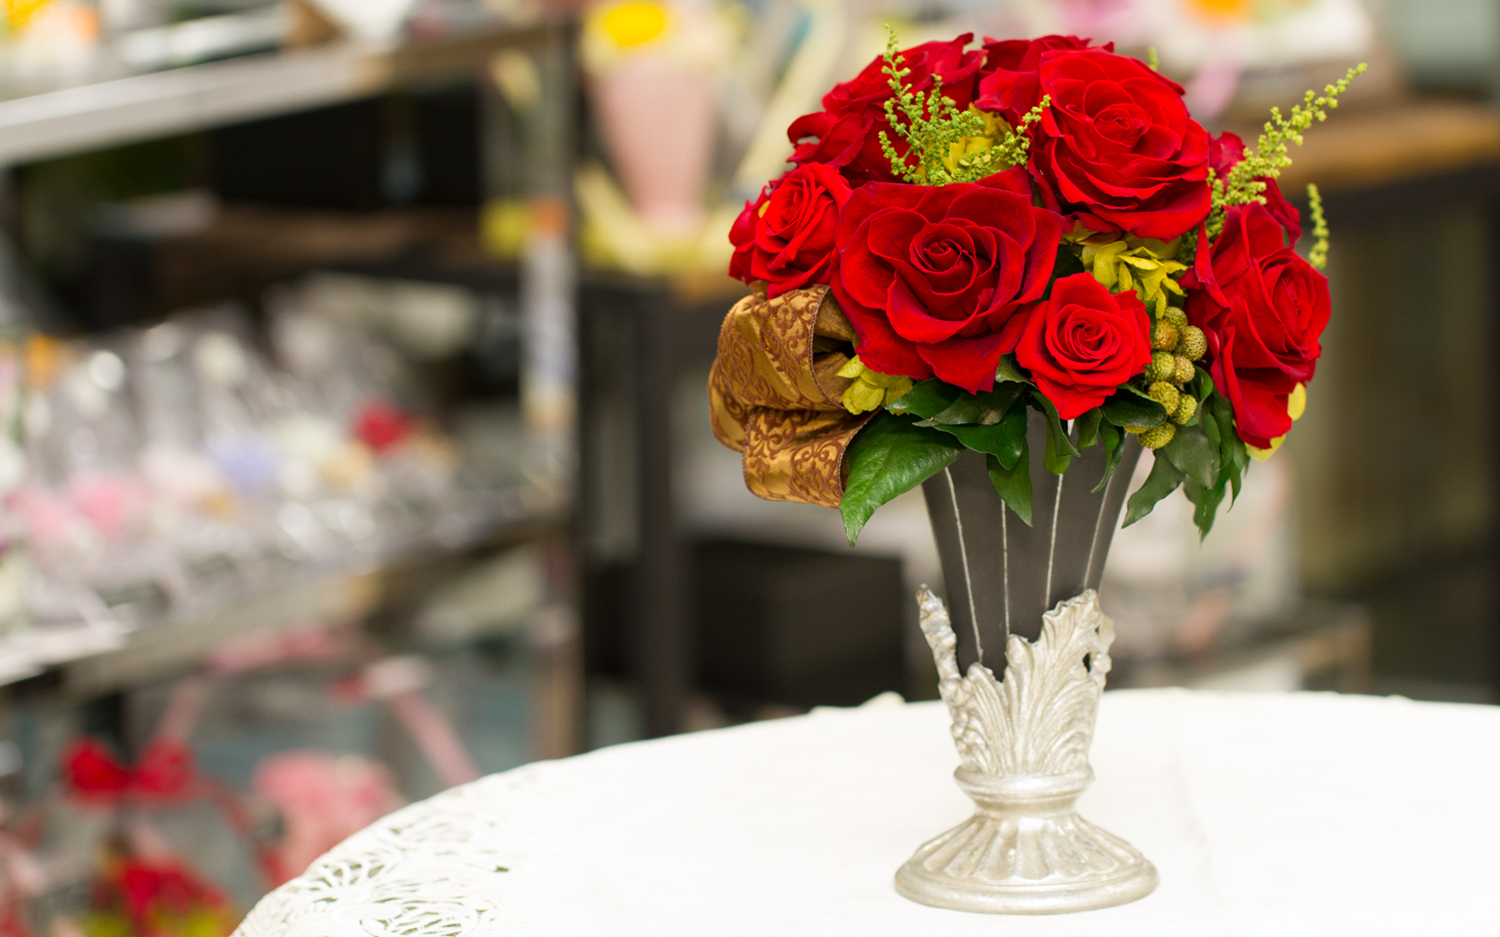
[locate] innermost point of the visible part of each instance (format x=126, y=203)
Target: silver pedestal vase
x=1021, y=666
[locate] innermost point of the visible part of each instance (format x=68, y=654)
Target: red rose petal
x=1081, y=343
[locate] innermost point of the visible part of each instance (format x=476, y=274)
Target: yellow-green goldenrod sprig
x=1318, y=256
x=1245, y=183
x=951, y=145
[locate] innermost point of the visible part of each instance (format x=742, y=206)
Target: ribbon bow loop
x=165, y=771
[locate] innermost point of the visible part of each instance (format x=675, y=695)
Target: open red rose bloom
x=930, y=276
x=1043, y=212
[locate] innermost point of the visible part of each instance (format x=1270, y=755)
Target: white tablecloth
x=1305, y=814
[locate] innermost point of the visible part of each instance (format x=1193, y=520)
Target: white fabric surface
x=1303, y=814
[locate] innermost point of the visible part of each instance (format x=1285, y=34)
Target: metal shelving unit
x=96, y=658
x=198, y=97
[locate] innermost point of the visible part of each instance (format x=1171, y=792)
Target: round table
x=1303, y=814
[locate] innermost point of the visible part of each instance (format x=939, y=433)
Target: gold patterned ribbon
x=775, y=394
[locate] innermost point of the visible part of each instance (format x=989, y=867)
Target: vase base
x=1050, y=865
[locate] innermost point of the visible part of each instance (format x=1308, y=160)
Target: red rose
x=1009, y=84
x=786, y=237
x=930, y=276
x=846, y=133
x=1225, y=153
x=1263, y=313
x=1081, y=343
x=1117, y=146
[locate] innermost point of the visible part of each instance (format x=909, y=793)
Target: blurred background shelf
x=90, y=659
x=196, y=97
x=288, y=248
x=1414, y=139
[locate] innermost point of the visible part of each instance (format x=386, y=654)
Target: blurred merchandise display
x=279, y=551
x=157, y=471
x=1174, y=592
x=273, y=754
x=1251, y=53
x=120, y=849
x=12, y=475
x=322, y=800
x=653, y=70
x=48, y=44
x=691, y=100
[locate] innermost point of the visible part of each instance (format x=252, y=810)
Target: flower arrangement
x=971, y=235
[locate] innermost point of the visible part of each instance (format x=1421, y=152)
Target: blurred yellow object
x=51, y=21
x=633, y=23
x=219, y=504
x=515, y=74
x=612, y=236
x=503, y=225
x=436, y=450
x=1296, y=405
x=1221, y=9
x=616, y=33
x=346, y=467
x=19, y=13
x=44, y=357
x=106, y=925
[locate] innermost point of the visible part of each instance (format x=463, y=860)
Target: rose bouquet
x=970, y=236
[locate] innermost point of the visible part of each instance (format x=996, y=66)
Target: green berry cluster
x=1175, y=345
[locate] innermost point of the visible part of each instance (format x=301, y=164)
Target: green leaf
x=1206, y=503
x=1088, y=428
x=926, y=399
x=1068, y=263
x=1114, y=447
x=889, y=457
x=1201, y=385
x=1015, y=433
x=1236, y=471
x=1059, y=446
x=1129, y=408
x=1239, y=454
x=1010, y=371
x=1013, y=484
x=1198, y=388
x=1232, y=454
x=1215, y=438
x=1053, y=460
x=1134, y=391
x=1193, y=455
x=1005, y=440
x=1162, y=481
x=984, y=409
x=1223, y=415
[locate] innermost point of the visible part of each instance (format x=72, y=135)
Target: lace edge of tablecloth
x=434, y=868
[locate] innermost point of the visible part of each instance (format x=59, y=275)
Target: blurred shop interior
x=354, y=442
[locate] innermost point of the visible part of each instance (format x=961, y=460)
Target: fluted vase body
x=1022, y=649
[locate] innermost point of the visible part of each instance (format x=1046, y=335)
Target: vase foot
x=1026, y=865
